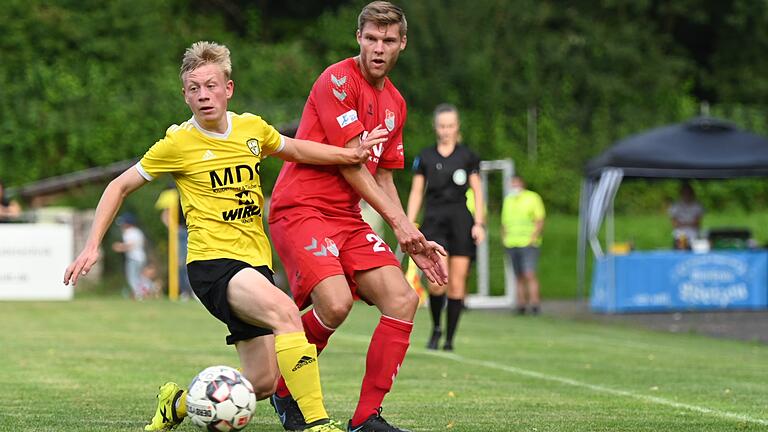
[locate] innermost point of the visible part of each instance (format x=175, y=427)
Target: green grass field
x=94, y=365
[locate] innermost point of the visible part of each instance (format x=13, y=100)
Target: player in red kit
x=331, y=256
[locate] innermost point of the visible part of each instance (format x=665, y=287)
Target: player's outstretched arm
x=109, y=204
x=314, y=153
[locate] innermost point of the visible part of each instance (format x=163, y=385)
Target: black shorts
x=210, y=279
x=451, y=227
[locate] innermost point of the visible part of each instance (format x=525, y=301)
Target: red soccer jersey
x=341, y=105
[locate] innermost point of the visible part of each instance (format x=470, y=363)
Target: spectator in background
x=9, y=209
x=135, y=256
x=442, y=175
x=168, y=199
x=522, y=222
x=686, y=216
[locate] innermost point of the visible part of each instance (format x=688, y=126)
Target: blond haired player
x=215, y=158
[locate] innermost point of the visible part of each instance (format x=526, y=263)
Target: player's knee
x=334, y=314
x=403, y=304
x=410, y=299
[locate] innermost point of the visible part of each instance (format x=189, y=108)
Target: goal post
x=483, y=298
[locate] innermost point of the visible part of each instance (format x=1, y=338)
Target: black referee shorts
x=210, y=280
x=451, y=227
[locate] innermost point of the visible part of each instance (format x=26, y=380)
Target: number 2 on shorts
x=379, y=244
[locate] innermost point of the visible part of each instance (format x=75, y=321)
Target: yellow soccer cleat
x=328, y=426
x=166, y=417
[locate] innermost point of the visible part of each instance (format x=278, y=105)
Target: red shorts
x=313, y=247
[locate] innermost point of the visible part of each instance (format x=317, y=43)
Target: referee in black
x=442, y=175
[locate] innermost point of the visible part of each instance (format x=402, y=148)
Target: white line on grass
x=572, y=382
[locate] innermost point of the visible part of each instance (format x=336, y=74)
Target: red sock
x=386, y=352
x=317, y=333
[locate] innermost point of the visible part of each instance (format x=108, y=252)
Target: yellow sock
x=181, y=405
x=297, y=360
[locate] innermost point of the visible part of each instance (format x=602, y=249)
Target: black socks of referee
x=453, y=313
x=436, y=303
x=455, y=306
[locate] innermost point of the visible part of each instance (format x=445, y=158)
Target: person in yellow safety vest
x=522, y=222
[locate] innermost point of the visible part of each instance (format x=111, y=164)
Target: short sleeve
x=163, y=157
x=334, y=95
x=473, y=164
x=418, y=165
x=506, y=209
x=271, y=140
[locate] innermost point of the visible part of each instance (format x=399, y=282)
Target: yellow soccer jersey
x=218, y=178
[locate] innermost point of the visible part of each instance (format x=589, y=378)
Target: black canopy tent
x=701, y=148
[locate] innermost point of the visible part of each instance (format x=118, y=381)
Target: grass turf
x=94, y=365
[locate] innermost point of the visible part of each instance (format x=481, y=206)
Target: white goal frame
x=483, y=299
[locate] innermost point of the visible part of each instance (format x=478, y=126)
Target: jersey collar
x=214, y=134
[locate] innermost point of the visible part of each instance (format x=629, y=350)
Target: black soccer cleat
x=288, y=410
x=374, y=423
x=434, y=340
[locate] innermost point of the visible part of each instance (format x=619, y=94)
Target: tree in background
x=587, y=73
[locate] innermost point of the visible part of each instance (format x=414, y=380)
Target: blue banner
x=677, y=280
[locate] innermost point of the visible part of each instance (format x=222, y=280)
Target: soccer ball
x=220, y=399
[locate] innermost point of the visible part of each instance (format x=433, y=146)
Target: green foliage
x=86, y=83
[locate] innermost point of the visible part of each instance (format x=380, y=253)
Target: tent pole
x=581, y=245
x=610, y=238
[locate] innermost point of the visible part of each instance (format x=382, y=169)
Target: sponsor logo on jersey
x=389, y=120
x=340, y=95
x=244, y=198
x=253, y=145
x=347, y=118
x=208, y=155
x=460, y=177
x=338, y=82
x=233, y=175
x=378, y=149
x=247, y=210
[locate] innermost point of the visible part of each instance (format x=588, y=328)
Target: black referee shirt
x=447, y=178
